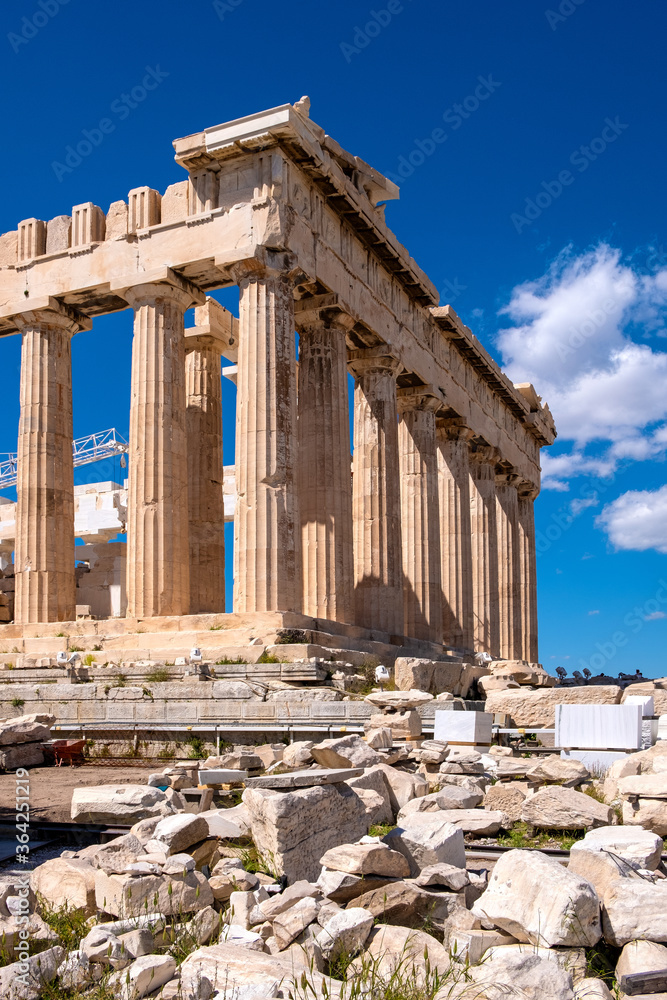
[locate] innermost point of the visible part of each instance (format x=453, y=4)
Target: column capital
x=506, y=477
x=266, y=263
x=421, y=397
x=483, y=454
x=453, y=429
x=527, y=490
x=197, y=341
x=50, y=312
x=318, y=311
x=374, y=360
x=142, y=289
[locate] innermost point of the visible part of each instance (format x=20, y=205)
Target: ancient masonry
x=429, y=534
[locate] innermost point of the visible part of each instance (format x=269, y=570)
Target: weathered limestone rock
x=23, y=729
x=374, y=780
x=341, y=887
x=483, y=822
x=294, y=829
x=392, y=947
x=407, y=904
x=448, y=876
x=24, y=755
x=10, y=927
x=599, y=868
x=118, y=803
x=298, y=754
x=345, y=932
x=402, y=786
x=537, y=901
x=425, y=840
x=127, y=895
x=638, y=847
x=179, y=832
x=537, y=708
x=592, y=989
x=555, y=768
x=41, y=969
x=449, y=797
x=291, y=922
x=347, y=751
x=507, y=799
x=68, y=881
x=557, y=808
x=538, y=978
x=145, y=975
x=641, y=956
x=634, y=909
x=366, y=859
x=398, y=701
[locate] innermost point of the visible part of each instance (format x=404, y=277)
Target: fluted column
x=509, y=570
x=484, y=549
x=376, y=506
x=206, y=508
x=455, y=533
x=267, y=549
x=44, y=554
x=420, y=528
x=324, y=469
x=158, y=573
x=528, y=572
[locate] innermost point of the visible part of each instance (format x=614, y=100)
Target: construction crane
x=92, y=448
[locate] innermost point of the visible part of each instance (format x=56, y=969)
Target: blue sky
x=529, y=143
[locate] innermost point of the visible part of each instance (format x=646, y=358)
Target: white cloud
x=637, y=520
x=573, y=338
x=654, y=616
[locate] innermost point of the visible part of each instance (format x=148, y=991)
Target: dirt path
x=51, y=788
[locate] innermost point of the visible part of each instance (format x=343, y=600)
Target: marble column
x=376, y=504
x=206, y=508
x=455, y=532
x=484, y=545
x=267, y=537
x=528, y=572
x=509, y=570
x=324, y=478
x=44, y=552
x=420, y=528
x=158, y=568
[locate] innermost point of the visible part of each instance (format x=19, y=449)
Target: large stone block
x=119, y=803
x=292, y=830
x=132, y=896
x=425, y=840
x=538, y=901
x=538, y=708
x=66, y=881
x=634, y=909
x=25, y=755
x=22, y=730
x=555, y=808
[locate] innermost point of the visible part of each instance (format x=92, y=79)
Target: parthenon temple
x=415, y=528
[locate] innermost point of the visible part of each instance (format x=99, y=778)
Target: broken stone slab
x=127, y=895
x=374, y=780
x=403, y=786
x=119, y=803
x=66, y=881
x=144, y=976
x=345, y=933
x=298, y=754
x=483, y=822
x=641, y=956
x=389, y=948
x=220, y=825
x=279, y=819
x=638, y=847
x=507, y=799
x=221, y=776
x=179, y=832
x=25, y=980
x=555, y=808
x=556, y=768
x=599, y=868
x=634, y=909
x=23, y=729
x=407, y=904
x=305, y=779
x=594, y=989
x=469, y=946
x=448, y=876
x=450, y=797
x=340, y=887
x=13, y=930
x=366, y=859
x=291, y=922
x=242, y=974
x=24, y=755
x=534, y=898
x=650, y=814
x=277, y=904
x=400, y=701
x=536, y=977
x=344, y=751
x=425, y=840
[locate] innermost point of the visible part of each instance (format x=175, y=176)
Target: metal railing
x=92, y=448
